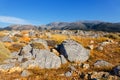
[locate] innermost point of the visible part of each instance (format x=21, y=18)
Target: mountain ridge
x=78, y=25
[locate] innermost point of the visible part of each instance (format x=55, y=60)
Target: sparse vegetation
x=110, y=53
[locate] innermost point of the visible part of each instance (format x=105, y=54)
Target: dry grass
x=59, y=38
x=4, y=52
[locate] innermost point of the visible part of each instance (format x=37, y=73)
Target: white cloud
x=13, y=20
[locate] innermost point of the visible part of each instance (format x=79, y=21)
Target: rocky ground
x=59, y=55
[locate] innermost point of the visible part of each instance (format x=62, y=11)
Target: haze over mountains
x=79, y=25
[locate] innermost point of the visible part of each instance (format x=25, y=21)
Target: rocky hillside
x=59, y=55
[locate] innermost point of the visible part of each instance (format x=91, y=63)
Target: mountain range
x=79, y=25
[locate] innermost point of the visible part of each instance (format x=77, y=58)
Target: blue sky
x=45, y=11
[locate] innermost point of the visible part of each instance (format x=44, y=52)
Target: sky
x=39, y=12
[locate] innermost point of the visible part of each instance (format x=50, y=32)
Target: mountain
x=79, y=25
x=84, y=25
x=20, y=27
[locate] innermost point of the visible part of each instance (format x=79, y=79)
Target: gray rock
x=72, y=68
x=7, y=66
x=63, y=60
x=116, y=71
x=43, y=59
x=26, y=49
x=73, y=51
x=102, y=63
x=68, y=73
x=47, y=59
x=26, y=73
x=31, y=33
x=30, y=64
x=6, y=39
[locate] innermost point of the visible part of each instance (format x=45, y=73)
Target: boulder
x=47, y=59
x=43, y=59
x=73, y=51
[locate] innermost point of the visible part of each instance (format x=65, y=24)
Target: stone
x=26, y=49
x=43, y=59
x=47, y=59
x=68, y=73
x=6, y=39
x=72, y=68
x=73, y=51
x=100, y=48
x=86, y=66
x=91, y=47
x=6, y=66
x=29, y=64
x=63, y=60
x=26, y=73
x=102, y=63
x=116, y=71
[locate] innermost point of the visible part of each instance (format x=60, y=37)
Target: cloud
x=13, y=20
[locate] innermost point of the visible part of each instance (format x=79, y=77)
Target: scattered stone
x=72, y=68
x=6, y=39
x=5, y=67
x=102, y=63
x=68, y=73
x=86, y=66
x=26, y=73
x=91, y=47
x=73, y=51
x=100, y=48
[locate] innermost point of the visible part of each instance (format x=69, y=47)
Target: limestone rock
x=73, y=51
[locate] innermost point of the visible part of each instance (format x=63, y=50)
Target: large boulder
x=47, y=59
x=73, y=51
x=43, y=59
